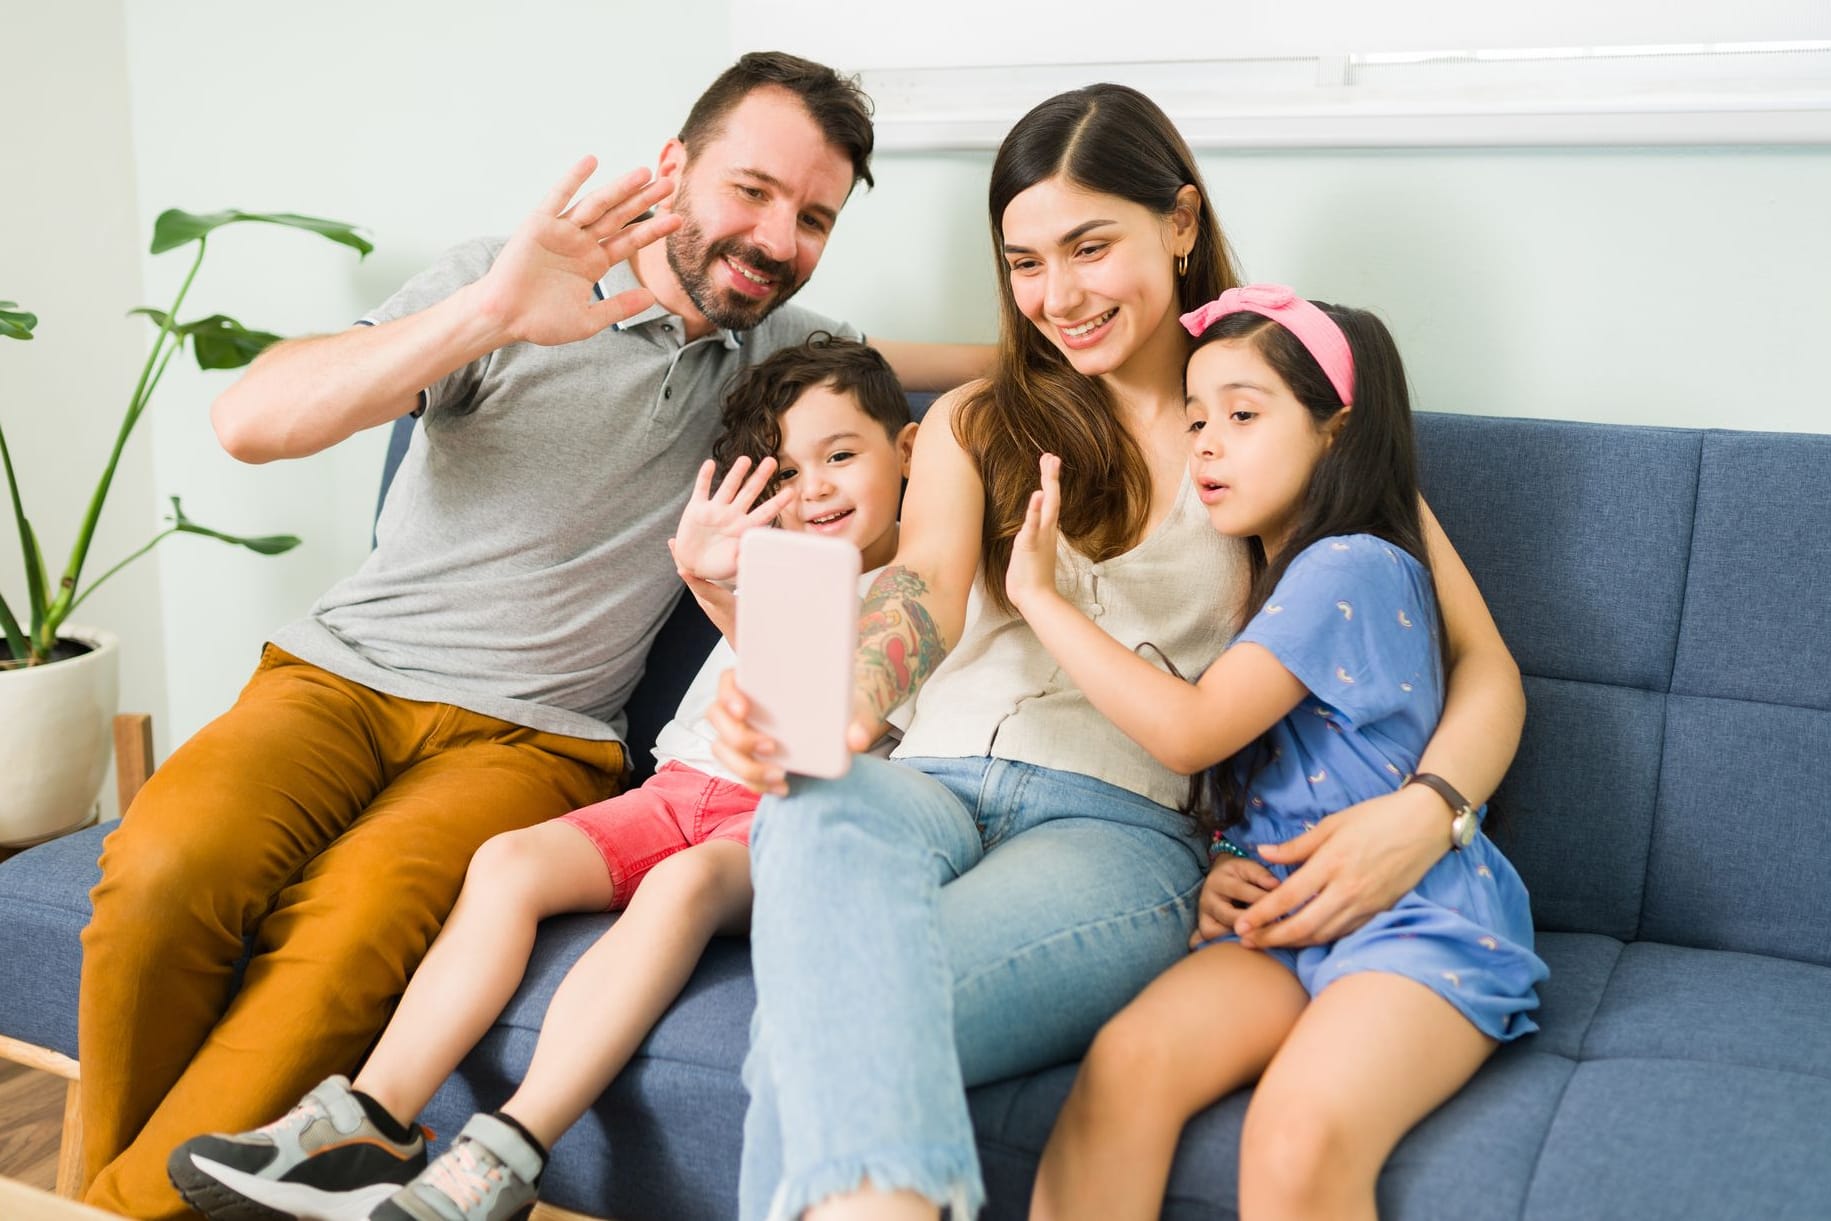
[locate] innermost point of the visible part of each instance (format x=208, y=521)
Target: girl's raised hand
x=704, y=545
x=1031, y=573
x=1233, y=885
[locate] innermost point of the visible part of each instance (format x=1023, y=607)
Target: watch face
x=1463, y=829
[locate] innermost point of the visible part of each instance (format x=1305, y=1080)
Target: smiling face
x=846, y=471
x=757, y=202
x=1093, y=272
x=1254, y=444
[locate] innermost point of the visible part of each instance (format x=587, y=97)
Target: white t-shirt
x=688, y=738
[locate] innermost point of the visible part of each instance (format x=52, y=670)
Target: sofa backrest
x=1667, y=594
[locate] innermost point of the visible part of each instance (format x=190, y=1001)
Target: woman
x=979, y=908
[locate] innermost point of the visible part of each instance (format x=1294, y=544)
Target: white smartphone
x=797, y=631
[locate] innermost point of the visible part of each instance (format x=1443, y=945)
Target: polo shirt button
x=1094, y=608
x=667, y=392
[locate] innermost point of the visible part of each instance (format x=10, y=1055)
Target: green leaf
x=16, y=324
x=223, y=343
x=266, y=544
x=38, y=578
x=219, y=341
x=28, y=542
x=176, y=227
x=16, y=643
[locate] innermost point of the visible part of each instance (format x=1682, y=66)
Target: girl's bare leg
x=616, y=992
x=515, y=881
x=1201, y=1030
x=1371, y=1056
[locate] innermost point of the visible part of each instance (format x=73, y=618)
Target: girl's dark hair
x=1366, y=482
x=838, y=106
x=1113, y=140
x=751, y=418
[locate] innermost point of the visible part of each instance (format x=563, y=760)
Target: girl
x=1303, y=444
x=980, y=908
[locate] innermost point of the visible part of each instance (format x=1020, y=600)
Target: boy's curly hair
x=751, y=418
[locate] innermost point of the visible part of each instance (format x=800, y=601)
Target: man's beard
x=692, y=262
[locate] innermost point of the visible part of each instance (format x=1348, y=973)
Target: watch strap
x=1463, y=823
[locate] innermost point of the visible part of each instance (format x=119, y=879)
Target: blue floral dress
x=1354, y=619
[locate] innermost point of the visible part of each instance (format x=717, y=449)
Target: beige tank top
x=1000, y=693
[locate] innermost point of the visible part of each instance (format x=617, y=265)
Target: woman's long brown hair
x=1113, y=140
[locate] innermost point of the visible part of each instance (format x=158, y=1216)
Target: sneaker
x=324, y=1160
x=488, y=1174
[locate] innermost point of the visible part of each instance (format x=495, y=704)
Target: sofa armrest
x=133, y=754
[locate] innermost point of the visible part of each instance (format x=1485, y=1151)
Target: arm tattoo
x=899, y=645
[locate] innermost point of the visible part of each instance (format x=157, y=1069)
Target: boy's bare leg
x=616, y=992
x=515, y=881
x=1371, y=1056
x=1202, y=1029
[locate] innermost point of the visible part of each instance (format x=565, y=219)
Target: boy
x=673, y=855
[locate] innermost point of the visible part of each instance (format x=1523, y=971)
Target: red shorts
x=676, y=808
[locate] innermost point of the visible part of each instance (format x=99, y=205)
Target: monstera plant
x=31, y=618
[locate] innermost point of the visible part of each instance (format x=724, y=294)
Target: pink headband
x=1314, y=329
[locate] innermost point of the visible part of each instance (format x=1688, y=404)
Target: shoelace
x=463, y=1176
x=296, y=1120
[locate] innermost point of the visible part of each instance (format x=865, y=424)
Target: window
x=954, y=74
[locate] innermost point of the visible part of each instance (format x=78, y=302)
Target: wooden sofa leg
x=546, y=1212
x=70, y=1152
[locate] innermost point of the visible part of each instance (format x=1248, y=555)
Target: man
x=469, y=678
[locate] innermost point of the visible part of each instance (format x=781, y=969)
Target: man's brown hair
x=840, y=108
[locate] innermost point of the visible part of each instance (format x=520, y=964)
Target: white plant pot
x=55, y=735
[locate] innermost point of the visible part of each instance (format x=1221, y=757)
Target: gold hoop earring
x=1182, y=264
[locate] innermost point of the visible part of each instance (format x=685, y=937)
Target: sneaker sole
x=390, y=1211
x=223, y=1193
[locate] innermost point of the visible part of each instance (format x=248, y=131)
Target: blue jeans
x=929, y=925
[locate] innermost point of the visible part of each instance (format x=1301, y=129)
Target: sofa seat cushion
x=1716, y=1008
x=663, y=1140
x=1665, y=1081
x=44, y=905
x=1684, y=1139
x=1576, y=1121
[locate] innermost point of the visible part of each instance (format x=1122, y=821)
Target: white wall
x=71, y=241
x=1652, y=286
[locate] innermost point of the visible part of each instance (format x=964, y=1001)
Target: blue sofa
x=1668, y=596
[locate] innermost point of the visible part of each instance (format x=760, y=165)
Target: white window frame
x=955, y=74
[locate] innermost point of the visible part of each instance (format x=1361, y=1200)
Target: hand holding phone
x=797, y=631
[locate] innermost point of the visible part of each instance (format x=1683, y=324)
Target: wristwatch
x=1465, y=824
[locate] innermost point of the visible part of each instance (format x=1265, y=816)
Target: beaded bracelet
x=1222, y=844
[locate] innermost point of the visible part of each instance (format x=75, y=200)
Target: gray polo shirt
x=521, y=567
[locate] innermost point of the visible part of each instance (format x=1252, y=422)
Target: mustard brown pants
x=333, y=825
